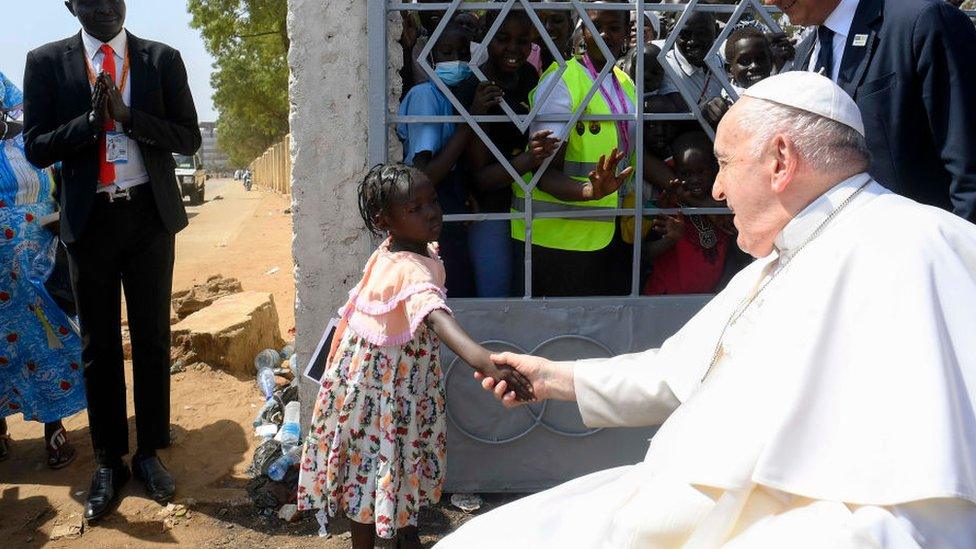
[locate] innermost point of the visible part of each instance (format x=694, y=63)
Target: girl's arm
x=451, y=333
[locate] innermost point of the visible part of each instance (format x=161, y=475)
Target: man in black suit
x=908, y=65
x=112, y=108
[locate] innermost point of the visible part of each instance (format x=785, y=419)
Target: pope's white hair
x=825, y=144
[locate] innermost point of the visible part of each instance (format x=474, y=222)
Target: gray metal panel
x=376, y=29
x=545, y=449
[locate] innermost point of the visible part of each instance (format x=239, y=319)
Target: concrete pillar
x=329, y=112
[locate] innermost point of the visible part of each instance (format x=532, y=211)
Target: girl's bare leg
x=363, y=535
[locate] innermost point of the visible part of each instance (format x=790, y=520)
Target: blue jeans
x=490, y=244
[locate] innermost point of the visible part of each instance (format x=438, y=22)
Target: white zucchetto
x=811, y=92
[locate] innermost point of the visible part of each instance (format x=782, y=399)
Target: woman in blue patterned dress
x=40, y=350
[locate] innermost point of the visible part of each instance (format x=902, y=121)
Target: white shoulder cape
x=859, y=368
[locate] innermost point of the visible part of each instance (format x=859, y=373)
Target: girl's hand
x=676, y=193
x=514, y=380
x=486, y=96
x=605, y=180
x=542, y=145
x=547, y=379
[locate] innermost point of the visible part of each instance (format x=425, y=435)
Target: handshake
x=518, y=379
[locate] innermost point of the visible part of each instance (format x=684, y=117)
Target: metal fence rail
x=382, y=118
x=539, y=446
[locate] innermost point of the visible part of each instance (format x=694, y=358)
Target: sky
x=28, y=24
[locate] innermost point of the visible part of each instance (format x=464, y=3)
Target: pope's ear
x=786, y=159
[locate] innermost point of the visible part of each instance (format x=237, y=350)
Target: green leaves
x=249, y=41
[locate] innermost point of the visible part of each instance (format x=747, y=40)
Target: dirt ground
x=244, y=235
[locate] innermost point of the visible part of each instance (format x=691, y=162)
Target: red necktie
x=106, y=170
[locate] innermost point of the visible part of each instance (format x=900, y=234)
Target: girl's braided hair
x=382, y=183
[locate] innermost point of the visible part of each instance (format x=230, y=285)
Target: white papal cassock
x=841, y=413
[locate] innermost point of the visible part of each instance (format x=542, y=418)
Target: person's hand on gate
x=605, y=180
x=542, y=145
x=671, y=228
x=714, y=109
x=488, y=95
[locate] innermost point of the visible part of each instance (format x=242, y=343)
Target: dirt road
x=234, y=233
x=246, y=235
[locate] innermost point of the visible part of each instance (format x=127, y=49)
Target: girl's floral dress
x=376, y=446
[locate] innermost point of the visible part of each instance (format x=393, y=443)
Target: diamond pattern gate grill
x=539, y=446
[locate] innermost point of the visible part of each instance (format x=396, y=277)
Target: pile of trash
x=273, y=470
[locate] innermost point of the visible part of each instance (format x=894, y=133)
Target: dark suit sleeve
x=942, y=42
x=178, y=132
x=45, y=141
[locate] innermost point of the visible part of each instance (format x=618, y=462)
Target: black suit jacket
x=915, y=83
x=57, y=100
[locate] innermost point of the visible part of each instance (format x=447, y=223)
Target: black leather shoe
x=104, y=492
x=159, y=483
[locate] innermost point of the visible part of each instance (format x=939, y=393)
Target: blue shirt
x=424, y=99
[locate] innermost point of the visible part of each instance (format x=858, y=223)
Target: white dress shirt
x=133, y=172
x=839, y=21
x=703, y=84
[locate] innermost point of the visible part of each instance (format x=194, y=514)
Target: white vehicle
x=191, y=177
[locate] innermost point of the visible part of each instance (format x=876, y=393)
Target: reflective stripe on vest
x=518, y=205
x=583, y=152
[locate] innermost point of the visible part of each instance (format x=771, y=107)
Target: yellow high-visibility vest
x=583, y=151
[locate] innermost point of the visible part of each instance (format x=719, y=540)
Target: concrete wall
x=329, y=111
x=328, y=123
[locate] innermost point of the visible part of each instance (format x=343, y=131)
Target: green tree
x=249, y=42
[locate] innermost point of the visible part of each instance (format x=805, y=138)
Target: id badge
x=116, y=148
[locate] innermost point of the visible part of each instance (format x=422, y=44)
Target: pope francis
x=824, y=399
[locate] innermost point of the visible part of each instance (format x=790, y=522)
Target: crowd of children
x=485, y=258
x=376, y=447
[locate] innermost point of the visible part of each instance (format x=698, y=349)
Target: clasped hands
x=107, y=103
x=542, y=378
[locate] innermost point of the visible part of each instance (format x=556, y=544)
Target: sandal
x=4, y=447
x=59, y=451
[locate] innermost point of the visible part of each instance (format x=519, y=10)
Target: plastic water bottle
x=287, y=351
x=268, y=358
x=259, y=419
x=293, y=364
x=266, y=382
x=280, y=467
x=290, y=429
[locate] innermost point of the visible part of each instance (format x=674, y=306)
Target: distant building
x=214, y=160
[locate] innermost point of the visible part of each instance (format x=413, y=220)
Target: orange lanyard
x=125, y=71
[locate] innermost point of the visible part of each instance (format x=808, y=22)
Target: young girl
x=376, y=445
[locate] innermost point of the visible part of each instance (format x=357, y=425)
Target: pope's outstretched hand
x=550, y=380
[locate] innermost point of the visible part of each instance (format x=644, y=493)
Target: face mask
x=452, y=73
